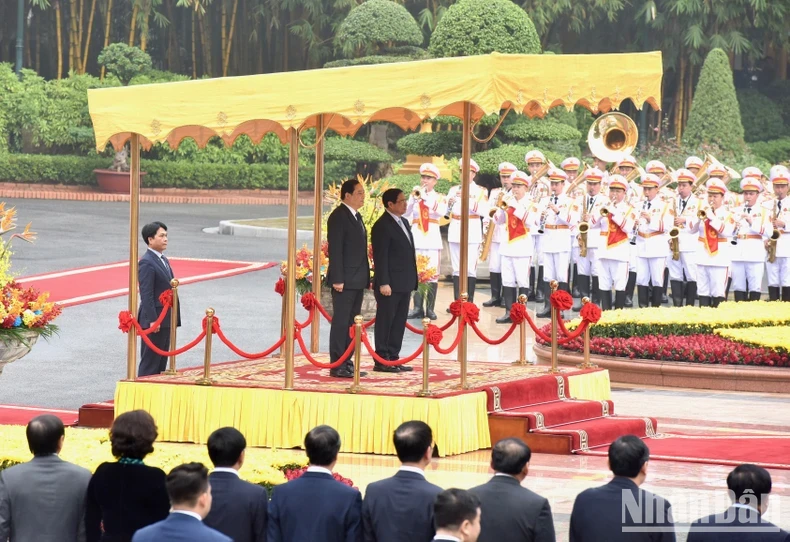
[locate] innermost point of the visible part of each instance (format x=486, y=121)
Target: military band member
x=520, y=220
x=591, y=214
x=425, y=208
x=506, y=169
x=713, y=255
x=634, y=193
x=694, y=164
x=657, y=168
x=478, y=208
x=779, y=270
x=558, y=213
x=615, y=251
x=536, y=160
x=653, y=223
x=686, y=207
x=752, y=228
x=571, y=167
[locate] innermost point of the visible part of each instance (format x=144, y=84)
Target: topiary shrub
x=715, y=116
x=375, y=23
x=489, y=160
x=431, y=144
x=479, y=27
x=775, y=151
x=761, y=116
x=124, y=62
x=407, y=182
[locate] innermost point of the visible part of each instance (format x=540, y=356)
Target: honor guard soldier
x=779, y=269
x=519, y=220
x=616, y=226
x=715, y=227
x=535, y=161
x=653, y=224
x=478, y=208
x=558, y=213
x=752, y=228
x=591, y=215
x=571, y=167
x=685, y=219
x=425, y=208
x=506, y=169
x=634, y=193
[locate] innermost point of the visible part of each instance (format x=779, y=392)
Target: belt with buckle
x=557, y=227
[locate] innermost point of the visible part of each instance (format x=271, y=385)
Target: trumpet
x=416, y=193
x=674, y=243
x=702, y=214
x=604, y=211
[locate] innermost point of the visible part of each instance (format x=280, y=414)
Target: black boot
x=739, y=296
x=606, y=300
x=755, y=296
x=509, y=297
x=677, y=293
x=629, y=289
x=774, y=292
x=704, y=301
x=496, y=291
x=417, y=312
x=539, y=290
x=658, y=296
x=727, y=289
x=471, y=282
x=619, y=300
x=714, y=302
x=584, y=291
x=643, y=294
x=691, y=293
x=456, y=293
x=546, y=310
x=576, y=292
x=596, y=292
x=430, y=302
x=785, y=294
x=533, y=285
x=664, y=298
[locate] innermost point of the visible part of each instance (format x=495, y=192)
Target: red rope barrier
x=177, y=352
x=387, y=362
x=242, y=353
x=504, y=337
x=125, y=319
x=317, y=363
x=445, y=327
x=453, y=346
x=369, y=323
x=570, y=336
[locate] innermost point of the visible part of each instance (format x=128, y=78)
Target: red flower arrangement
x=434, y=335
x=591, y=312
x=293, y=474
x=561, y=300
x=518, y=313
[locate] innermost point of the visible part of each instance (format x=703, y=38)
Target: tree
x=715, y=117
x=479, y=27
x=374, y=24
x=124, y=62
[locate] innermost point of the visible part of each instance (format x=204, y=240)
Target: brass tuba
x=612, y=136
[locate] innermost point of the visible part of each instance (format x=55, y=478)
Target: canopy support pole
x=317, y=214
x=290, y=273
x=463, y=267
x=134, y=219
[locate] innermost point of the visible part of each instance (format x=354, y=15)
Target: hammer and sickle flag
x=616, y=234
x=515, y=227
x=711, y=239
x=425, y=216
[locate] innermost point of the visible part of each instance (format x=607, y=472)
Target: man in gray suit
x=509, y=511
x=43, y=499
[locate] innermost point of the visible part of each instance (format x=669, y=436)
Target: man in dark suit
x=457, y=516
x=190, y=498
x=401, y=508
x=510, y=511
x=749, y=487
x=315, y=506
x=154, y=275
x=348, y=272
x=394, y=277
x=238, y=508
x=620, y=510
x=43, y=499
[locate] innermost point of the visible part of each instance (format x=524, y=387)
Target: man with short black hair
x=457, y=516
x=238, y=508
x=509, y=510
x=190, y=499
x=43, y=499
x=401, y=508
x=334, y=509
x=620, y=510
x=749, y=487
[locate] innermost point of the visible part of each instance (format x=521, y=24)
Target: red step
x=547, y=415
x=100, y=415
x=603, y=431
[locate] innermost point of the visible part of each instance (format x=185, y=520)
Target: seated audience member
x=620, y=510
x=190, y=498
x=401, y=508
x=509, y=510
x=457, y=516
x=127, y=495
x=43, y=500
x=315, y=506
x=238, y=508
x=749, y=487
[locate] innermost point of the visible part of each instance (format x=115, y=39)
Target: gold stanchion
x=587, y=364
x=522, y=331
x=554, y=346
x=358, y=320
x=206, y=380
x=462, y=351
x=425, y=391
x=318, y=196
x=290, y=273
x=463, y=262
x=173, y=326
x=134, y=219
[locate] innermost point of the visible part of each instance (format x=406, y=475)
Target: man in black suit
x=238, y=508
x=154, y=275
x=315, y=506
x=457, y=516
x=394, y=277
x=620, y=510
x=509, y=510
x=401, y=508
x=749, y=487
x=348, y=272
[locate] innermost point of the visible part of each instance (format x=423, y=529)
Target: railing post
x=522, y=335
x=358, y=320
x=587, y=364
x=425, y=391
x=554, y=346
x=173, y=326
x=206, y=380
x=462, y=345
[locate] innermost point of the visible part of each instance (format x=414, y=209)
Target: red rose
x=591, y=312
x=455, y=307
x=125, y=321
x=279, y=286
x=470, y=312
x=561, y=300
x=308, y=301
x=518, y=313
x=434, y=335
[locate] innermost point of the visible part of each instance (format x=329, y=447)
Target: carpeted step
x=541, y=389
x=603, y=431
x=548, y=415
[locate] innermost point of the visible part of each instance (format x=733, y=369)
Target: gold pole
x=463, y=267
x=206, y=380
x=317, y=214
x=134, y=219
x=290, y=274
x=358, y=320
x=425, y=391
x=586, y=364
x=464, y=384
x=522, y=333
x=554, y=346
x=173, y=327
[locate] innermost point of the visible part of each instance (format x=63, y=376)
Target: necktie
x=590, y=203
x=683, y=205
x=403, y=229
x=748, y=210
x=554, y=200
x=779, y=205
x=648, y=205
x=167, y=265
x=359, y=221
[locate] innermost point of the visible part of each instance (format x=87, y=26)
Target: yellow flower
x=773, y=337
x=29, y=318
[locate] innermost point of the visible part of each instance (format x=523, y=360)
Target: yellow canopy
x=402, y=93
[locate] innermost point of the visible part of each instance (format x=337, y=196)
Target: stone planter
x=368, y=303
x=12, y=349
x=114, y=182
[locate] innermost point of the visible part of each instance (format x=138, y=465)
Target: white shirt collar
x=503, y=474
x=748, y=507
x=446, y=537
x=322, y=470
x=188, y=513
x=226, y=469
x=415, y=470
x=350, y=208
x=159, y=254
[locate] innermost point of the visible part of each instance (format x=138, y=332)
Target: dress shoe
x=430, y=314
x=381, y=368
x=341, y=373
x=405, y=368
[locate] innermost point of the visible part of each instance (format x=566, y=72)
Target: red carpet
x=21, y=415
x=86, y=284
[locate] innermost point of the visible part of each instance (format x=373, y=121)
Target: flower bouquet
x=293, y=474
x=304, y=268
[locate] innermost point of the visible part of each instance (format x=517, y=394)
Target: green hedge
x=525, y=129
x=368, y=60
x=431, y=144
x=489, y=160
x=775, y=151
x=59, y=169
x=407, y=182
x=761, y=116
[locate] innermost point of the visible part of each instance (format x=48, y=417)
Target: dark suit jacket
x=509, y=511
x=316, y=507
x=598, y=512
x=125, y=498
x=238, y=508
x=399, y=509
x=348, y=250
x=179, y=528
x=394, y=259
x=736, y=525
x=154, y=279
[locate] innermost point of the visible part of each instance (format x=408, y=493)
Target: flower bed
x=774, y=337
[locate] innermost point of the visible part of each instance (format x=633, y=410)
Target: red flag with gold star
x=616, y=234
x=425, y=217
x=711, y=239
x=515, y=226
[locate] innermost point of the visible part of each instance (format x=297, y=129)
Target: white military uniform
x=614, y=253
x=779, y=271
x=427, y=211
x=494, y=259
x=588, y=265
x=556, y=242
x=652, y=244
x=713, y=252
x=478, y=208
x=748, y=254
x=687, y=239
x=516, y=247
